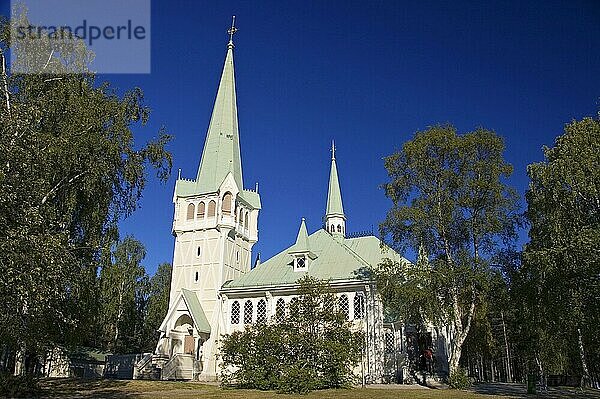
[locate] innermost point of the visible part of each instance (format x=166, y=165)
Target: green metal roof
x=251, y=198
x=334, y=195
x=193, y=305
x=336, y=259
x=301, y=244
x=221, y=153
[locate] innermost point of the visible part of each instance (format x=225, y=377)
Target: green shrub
x=23, y=386
x=459, y=379
x=313, y=347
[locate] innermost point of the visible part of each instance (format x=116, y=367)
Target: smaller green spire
x=334, y=195
x=302, y=239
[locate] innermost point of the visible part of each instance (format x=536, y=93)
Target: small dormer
x=300, y=251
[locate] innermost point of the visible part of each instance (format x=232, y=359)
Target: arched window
x=190, y=211
x=339, y=228
x=248, y=308
x=201, y=208
x=280, y=310
x=246, y=220
x=332, y=229
x=261, y=311
x=212, y=205
x=226, y=206
x=294, y=306
x=235, y=312
x=344, y=306
x=359, y=306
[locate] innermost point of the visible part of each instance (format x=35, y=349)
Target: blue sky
x=367, y=74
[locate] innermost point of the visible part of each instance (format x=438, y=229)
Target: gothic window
x=294, y=306
x=343, y=305
x=332, y=229
x=280, y=310
x=190, y=211
x=226, y=206
x=339, y=228
x=248, y=308
x=246, y=220
x=212, y=205
x=200, y=210
x=359, y=306
x=235, y=312
x=261, y=311
x=389, y=342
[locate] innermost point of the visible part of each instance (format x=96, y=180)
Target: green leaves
x=561, y=262
x=451, y=204
x=70, y=168
x=313, y=347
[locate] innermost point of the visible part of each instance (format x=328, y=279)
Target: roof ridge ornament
x=231, y=31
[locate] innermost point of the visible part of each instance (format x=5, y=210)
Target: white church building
x=214, y=289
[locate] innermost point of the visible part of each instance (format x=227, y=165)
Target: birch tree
x=563, y=255
x=449, y=196
x=70, y=168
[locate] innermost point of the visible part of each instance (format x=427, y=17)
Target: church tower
x=335, y=219
x=215, y=226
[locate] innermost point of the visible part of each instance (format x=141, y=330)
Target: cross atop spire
x=333, y=150
x=231, y=31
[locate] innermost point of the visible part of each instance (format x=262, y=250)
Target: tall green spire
x=334, y=195
x=221, y=153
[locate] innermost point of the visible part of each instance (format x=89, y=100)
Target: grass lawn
x=70, y=388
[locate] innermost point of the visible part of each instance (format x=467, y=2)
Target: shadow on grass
x=83, y=388
x=520, y=391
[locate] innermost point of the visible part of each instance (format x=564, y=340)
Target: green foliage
x=562, y=261
x=22, y=386
x=157, y=305
x=449, y=203
x=123, y=287
x=313, y=347
x=70, y=169
x=459, y=379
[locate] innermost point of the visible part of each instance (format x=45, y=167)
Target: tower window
x=237, y=256
x=235, y=312
x=300, y=262
x=199, y=252
x=261, y=311
x=248, y=308
x=332, y=229
x=226, y=206
x=359, y=306
x=246, y=220
x=343, y=305
x=201, y=209
x=196, y=278
x=339, y=228
x=212, y=205
x=190, y=211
